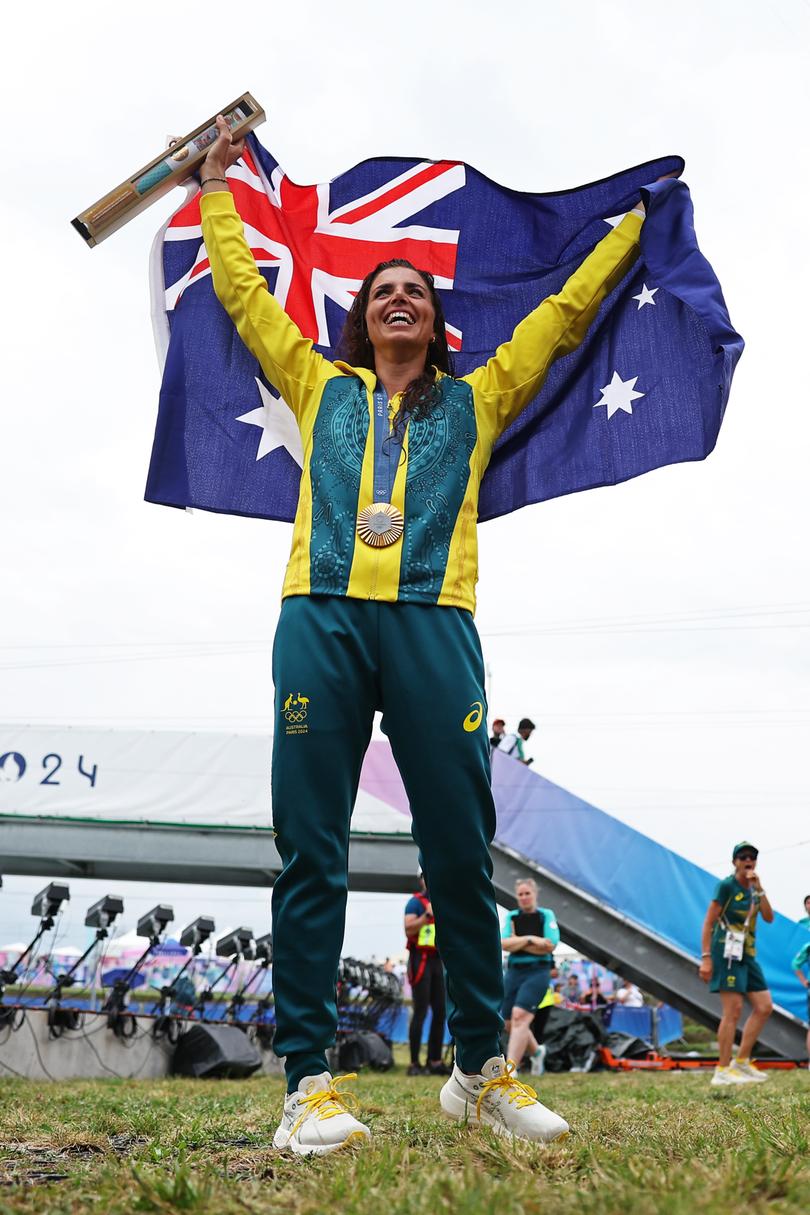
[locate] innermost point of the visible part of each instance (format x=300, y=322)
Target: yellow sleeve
x=286, y=357
x=515, y=373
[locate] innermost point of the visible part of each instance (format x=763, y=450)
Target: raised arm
x=286, y=357
x=515, y=373
x=764, y=902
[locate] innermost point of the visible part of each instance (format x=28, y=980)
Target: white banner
x=209, y=777
x=165, y=776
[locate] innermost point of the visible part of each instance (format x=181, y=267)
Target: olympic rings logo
x=295, y=714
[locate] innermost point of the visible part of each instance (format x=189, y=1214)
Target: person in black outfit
x=426, y=977
x=595, y=997
x=498, y=732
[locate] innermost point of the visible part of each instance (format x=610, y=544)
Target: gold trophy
x=171, y=168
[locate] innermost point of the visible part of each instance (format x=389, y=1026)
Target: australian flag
x=647, y=387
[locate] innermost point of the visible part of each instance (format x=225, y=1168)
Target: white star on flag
x=619, y=394
x=278, y=425
x=645, y=296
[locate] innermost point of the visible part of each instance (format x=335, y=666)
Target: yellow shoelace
x=512, y=1088
x=326, y=1102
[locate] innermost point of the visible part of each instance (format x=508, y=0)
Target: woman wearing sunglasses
x=728, y=964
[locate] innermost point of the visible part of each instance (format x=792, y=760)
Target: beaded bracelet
x=205, y=180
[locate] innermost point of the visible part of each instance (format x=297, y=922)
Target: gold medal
x=380, y=525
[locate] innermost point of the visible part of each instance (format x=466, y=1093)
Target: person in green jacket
x=801, y=962
x=377, y=614
x=729, y=965
x=529, y=937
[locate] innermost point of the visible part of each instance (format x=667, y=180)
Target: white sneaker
x=538, y=1061
x=316, y=1119
x=726, y=1075
x=497, y=1098
x=746, y=1069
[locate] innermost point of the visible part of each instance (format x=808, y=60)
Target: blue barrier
x=635, y=1021
x=670, y=1025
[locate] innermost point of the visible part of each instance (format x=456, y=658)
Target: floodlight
x=102, y=913
x=151, y=925
x=100, y=916
x=239, y=941
x=262, y=951
x=264, y=947
x=198, y=932
x=45, y=905
x=236, y=945
x=166, y=1023
x=49, y=900
x=154, y=922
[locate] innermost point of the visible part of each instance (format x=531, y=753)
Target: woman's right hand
x=705, y=969
x=223, y=152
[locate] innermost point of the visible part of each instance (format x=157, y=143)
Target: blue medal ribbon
x=387, y=448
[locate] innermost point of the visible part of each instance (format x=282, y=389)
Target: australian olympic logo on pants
x=295, y=713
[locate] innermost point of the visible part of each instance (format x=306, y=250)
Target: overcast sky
x=656, y=631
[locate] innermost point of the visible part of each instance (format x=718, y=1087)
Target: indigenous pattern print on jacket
x=444, y=456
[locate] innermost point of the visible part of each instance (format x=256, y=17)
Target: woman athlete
x=377, y=614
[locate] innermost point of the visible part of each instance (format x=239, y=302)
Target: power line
x=219, y=651
x=695, y=620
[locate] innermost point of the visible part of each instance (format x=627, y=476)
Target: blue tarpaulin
x=643, y=880
x=639, y=1022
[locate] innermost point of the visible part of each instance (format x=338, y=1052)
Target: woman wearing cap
x=377, y=613
x=728, y=964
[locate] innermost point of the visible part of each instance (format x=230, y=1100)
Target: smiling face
x=400, y=316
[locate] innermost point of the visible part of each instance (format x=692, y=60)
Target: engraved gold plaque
x=380, y=525
x=172, y=167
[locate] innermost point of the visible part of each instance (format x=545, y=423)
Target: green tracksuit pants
x=335, y=661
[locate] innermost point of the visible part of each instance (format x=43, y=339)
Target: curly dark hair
x=422, y=394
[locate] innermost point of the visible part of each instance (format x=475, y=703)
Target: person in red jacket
x=426, y=977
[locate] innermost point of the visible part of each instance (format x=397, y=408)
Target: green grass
x=646, y=1144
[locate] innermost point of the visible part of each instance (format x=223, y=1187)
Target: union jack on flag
x=224, y=440
x=321, y=252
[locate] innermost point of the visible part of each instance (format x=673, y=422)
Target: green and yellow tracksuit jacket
x=444, y=456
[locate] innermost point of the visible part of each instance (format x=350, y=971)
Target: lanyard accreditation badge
x=734, y=939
